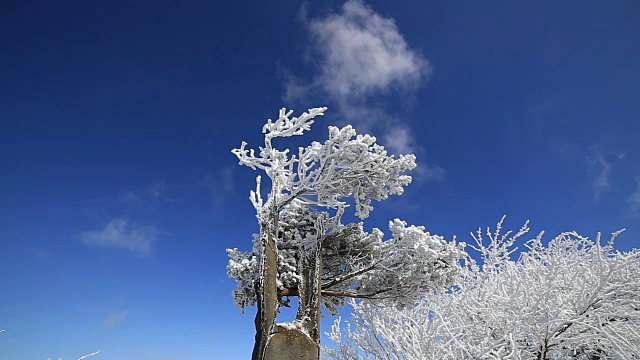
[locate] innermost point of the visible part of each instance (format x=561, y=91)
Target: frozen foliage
x=354, y=263
x=394, y=271
x=572, y=299
x=296, y=231
x=322, y=176
x=304, y=250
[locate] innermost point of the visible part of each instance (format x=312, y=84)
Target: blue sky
x=120, y=193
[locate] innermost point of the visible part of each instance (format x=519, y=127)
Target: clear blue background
x=128, y=110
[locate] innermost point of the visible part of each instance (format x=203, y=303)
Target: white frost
x=573, y=298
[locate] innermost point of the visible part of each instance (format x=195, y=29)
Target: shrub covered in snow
x=573, y=298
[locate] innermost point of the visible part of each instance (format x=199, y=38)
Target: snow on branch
x=321, y=174
x=324, y=175
x=573, y=298
x=355, y=264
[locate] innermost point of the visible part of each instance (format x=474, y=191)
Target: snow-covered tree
x=573, y=298
x=355, y=264
x=304, y=250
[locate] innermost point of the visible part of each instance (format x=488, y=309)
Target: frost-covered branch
x=322, y=174
x=304, y=250
x=573, y=298
x=355, y=263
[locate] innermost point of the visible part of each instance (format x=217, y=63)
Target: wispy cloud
x=130, y=196
x=634, y=199
x=426, y=172
x=38, y=252
x=600, y=164
x=159, y=192
x=601, y=169
x=120, y=233
x=399, y=139
x=115, y=318
x=360, y=56
x=220, y=184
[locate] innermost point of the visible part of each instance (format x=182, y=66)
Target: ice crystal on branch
x=324, y=175
x=574, y=298
x=354, y=263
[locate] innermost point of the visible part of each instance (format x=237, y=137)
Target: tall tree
x=304, y=250
x=573, y=298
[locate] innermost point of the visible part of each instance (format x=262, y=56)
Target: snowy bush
x=573, y=298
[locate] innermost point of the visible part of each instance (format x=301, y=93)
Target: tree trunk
x=255, y=354
x=277, y=343
x=267, y=293
x=309, y=291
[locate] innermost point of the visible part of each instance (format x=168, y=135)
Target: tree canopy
x=304, y=250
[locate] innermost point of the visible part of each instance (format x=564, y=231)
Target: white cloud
x=155, y=194
x=221, y=184
x=119, y=233
x=158, y=193
x=363, y=53
x=39, y=253
x=399, y=140
x=600, y=166
x=601, y=169
x=359, y=53
x=426, y=172
x=130, y=196
x=115, y=318
x=634, y=199
x=228, y=182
